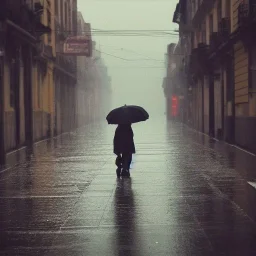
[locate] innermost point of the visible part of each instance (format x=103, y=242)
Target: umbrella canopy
x=127, y=115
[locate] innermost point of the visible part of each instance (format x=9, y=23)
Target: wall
x=241, y=76
x=240, y=67
x=218, y=105
x=10, y=125
x=245, y=121
x=22, y=108
x=206, y=105
x=43, y=93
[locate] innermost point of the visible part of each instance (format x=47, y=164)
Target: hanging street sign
x=78, y=46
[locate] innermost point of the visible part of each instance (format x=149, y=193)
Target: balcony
x=204, y=7
x=24, y=16
x=177, y=15
x=198, y=59
x=186, y=64
x=247, y=14
x=44, y=51
x=66, y=63
x=60, y=32
x=224, y=28
x=215, y=41
x=48, y=51
x=14, y=10
x=38, y=7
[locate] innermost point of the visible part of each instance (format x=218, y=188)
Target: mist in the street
x=138, y=69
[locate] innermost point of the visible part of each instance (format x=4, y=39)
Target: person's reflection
x=125, y=219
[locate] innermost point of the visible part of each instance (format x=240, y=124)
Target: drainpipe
x=202, y=84
x=21, y=30
x=2, y=142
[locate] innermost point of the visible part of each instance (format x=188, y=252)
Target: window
x=253, y=69
x=39, y=85
x=57, y=8
x=193, y=40
x=66, y=16
x=61, y=15
x=12, y=82
x=49, y=21
x=203, y=33
x=211, y=24
x=219, y=11
x=228, y=6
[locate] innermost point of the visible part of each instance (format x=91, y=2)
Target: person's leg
x=119, y=161
x=126, y=164
x=129, y=160
x=119, y=165
x=124, y=161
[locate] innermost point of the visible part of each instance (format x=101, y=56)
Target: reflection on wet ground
x=187, y=195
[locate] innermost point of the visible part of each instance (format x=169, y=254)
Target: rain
x=126, y=129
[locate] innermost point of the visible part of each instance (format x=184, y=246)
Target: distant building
x=218, y=43
x=93, y=82
x=65, y=68
x=84, y=84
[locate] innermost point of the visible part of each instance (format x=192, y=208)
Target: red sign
x=174, y=106
x=78, y=46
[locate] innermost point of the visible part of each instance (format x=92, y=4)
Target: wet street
x=187, y=195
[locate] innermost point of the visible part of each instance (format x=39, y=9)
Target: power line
x=137, y=32
x=148, y=33
x=135, y=67
x=137, y=53
x=114, y=56
x=124, y=49
x=118, y=57
x=151, y=34
x=170, y=30
x=132, y=60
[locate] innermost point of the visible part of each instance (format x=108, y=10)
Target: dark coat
x=123, y=140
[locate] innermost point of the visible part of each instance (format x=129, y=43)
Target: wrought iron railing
x=214, y=41
x=247, y=14
x=198, y=58
x=224, y=27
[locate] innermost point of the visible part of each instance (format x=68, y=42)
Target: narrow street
x=188, y=195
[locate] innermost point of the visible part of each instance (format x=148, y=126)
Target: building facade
x=84, y=85
x=221, y=67
x=21, y=29
x=65, y=68
x=93, y=81
x=47, y=88
x=43, y=81
x=169, y=86
x=100, y=96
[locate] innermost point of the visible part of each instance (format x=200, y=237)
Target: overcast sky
x=134, y=80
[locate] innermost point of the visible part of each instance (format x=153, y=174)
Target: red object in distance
x=174, y=106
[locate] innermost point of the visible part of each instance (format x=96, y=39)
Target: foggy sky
x=135, y=81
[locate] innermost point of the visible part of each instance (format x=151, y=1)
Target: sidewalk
x=188, y=195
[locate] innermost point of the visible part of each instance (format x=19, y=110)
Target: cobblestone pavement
x=187, y=195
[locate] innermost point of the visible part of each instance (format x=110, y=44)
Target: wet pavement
x=187, y=195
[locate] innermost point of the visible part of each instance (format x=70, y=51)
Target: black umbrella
x=127, y=115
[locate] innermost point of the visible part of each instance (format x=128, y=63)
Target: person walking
x=123, y=142
x=124, y=148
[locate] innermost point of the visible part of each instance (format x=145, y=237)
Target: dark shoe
x=118, y=172
x=118, y=161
